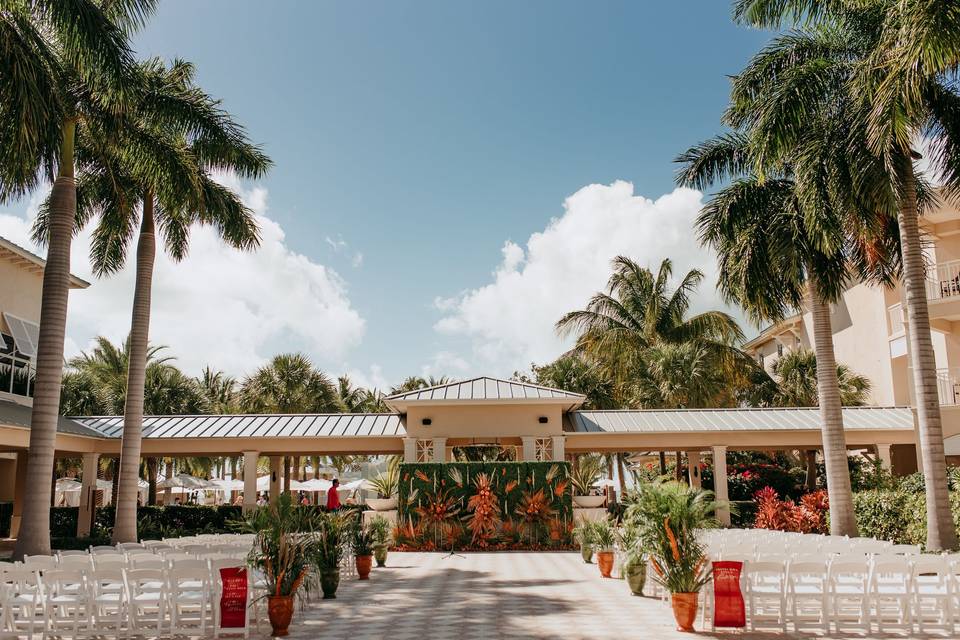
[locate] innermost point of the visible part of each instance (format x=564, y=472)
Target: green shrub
x=63, y=521
x=899, y=515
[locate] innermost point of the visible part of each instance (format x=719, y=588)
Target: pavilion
x=541, y=422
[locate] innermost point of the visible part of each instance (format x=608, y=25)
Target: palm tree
x=358, y=399
x=796, y=382
x=887, y=69
x=289, y=384
x=639, y=312
x=573, y=372
x=413, y=383
x=219, y=389
x=65, y=64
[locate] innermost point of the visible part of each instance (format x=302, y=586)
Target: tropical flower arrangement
x=484, y=505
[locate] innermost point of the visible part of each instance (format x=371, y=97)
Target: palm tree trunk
x=842, y=519
x=621, y=471
x=663, y=463
x=125, y=522
x=941, y=533
x=34, y=536
x=678, y=469
x=153, y=467
x=811, y=480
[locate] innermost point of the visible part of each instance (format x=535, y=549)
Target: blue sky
x=412, y=140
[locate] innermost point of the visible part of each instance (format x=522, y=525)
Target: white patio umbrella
x=314, y=484
x=604, y=482
x=228, y=485
x=355, y=484
x=184, y=481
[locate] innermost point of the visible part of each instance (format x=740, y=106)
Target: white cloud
x=230, y=309
x=445, y=363
x=371, y=378
x=510, y=321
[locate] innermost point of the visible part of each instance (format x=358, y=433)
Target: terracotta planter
x=684, y=610
x=636, y=574
x=329, y=581
x=380, y=555
x=280, y=610
x=605, y=562
x=364, y=564
x=586, y=552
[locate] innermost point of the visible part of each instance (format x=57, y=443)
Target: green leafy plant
x=361, y=539
x=387, y=482
x=604, y=537
x=380, y=530
x=585, y=473
x=583, y=532
x=332, y=532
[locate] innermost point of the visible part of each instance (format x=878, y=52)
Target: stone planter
x=280, y=610
x=684, y=610
x=588, y=502
x=636, y=575
x=382, y=504
x=605, y=563
x=329, y=581
x=380, y=555
x=364, y=565
x=586, y=552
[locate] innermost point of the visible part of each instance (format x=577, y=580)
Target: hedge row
x=899, y=516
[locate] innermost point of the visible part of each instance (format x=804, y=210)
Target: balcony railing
x=948, y=386
x=943, y=280
x=16, y=375
x=895, y=313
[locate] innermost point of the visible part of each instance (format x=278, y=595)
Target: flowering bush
x=807, y=516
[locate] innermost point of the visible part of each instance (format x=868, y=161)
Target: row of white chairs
x=180, y=599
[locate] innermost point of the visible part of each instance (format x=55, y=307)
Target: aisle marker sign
x=233, y=601
x=728, y=607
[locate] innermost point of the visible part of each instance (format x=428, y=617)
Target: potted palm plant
x=331, y=538
x=668, y=515
x=634, y=567
x=604, y=540
x=585, y=473
x=583, y=534
x=282, y=551
x=386, y=485
x=380, y=530
x=361, y=539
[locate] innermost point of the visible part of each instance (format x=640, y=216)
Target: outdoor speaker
x=426, y=422
x=543, y=420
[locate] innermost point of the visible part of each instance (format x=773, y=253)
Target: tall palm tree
x=413, y=383
x=796, y=381
x=289, y=384
x=573, y=372
x=639, y=312
x=890, y=65
x=219, y=389
x=62, y=65
x=151, y=165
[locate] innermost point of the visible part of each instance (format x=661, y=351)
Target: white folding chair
x=127, y=547
x=195, y=549
x=40, y=563
x=190, y=598
x=67, y=601
x=104, y=550
x=22, y=609
x=807, y=594
x=109, y=562
x=76, y=563
x=147, y=599
x=108, y=600
x=904, y=549
x=766, y=594
x=849, y=594
x=146, y=561
x=933, y=593
x=891, y=594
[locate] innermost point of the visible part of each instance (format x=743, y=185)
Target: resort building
x=870, y=329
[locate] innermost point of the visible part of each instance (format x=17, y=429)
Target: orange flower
x=672, y=538
x=560, y=488
x=510, y=486
x=421, y=475
x=656, y=567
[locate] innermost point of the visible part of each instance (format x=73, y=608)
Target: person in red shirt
x=333, y=498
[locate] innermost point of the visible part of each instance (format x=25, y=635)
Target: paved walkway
x=422, y=596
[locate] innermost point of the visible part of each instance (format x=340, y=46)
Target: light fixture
x=426, y=422
x=543, y=420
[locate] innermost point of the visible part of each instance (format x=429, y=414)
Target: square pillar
x=558, y=448
x=286, y=474
x=693, y=461
x=883, y=454
x=720, y=483
x=88, y=494
x=409, y=450
x=250, y=480
x=439, y=449
x=529, y=448
x=19, y=488
x=276, y=468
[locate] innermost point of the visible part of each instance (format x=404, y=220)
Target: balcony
x=948, y=386
x=895, y=317
x=943, y=280
x=17, y=376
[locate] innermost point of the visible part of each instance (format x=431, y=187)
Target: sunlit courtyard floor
x=493, y=595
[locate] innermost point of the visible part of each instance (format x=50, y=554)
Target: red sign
x=233, y=598
x=728, y=609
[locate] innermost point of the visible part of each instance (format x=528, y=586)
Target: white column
x=529, y=448
x=409, y=449
x=693, y=461
x=276, y=469
x=883, y=454
x=250, y=480
x=720, y=483
x=558, y=447
x=439, y=449
x=88, y=493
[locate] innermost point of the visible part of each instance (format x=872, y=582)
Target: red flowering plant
x=483, y=519
x=809, y=516
x=534, y=513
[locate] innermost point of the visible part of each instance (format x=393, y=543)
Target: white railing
x=16, y=375
x=943, y=280
x=895, y=313
x=948, y=385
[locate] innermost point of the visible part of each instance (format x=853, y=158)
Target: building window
x=544, y=449
x=424, y=450
x=779, y=350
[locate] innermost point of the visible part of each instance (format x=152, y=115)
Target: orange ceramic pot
x=605, y=562
x=280, y=610
x=684, y=610
x=364, y=564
